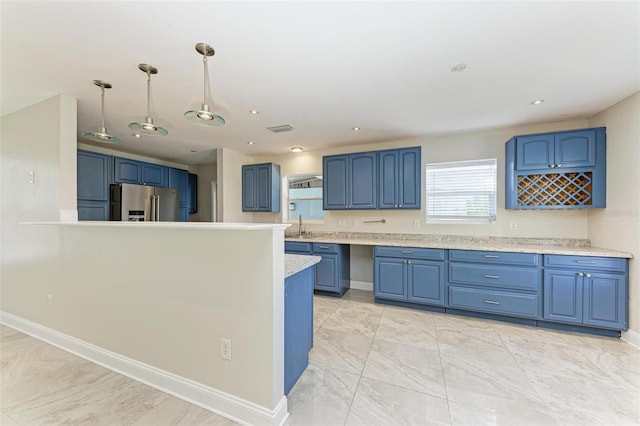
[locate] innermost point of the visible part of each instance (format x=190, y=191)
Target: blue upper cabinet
x=127, y=171
x=93, y=176
x=154, y=175
x=562, y=170
x=399, y=178
x=556, y=150
x=138, y=172
x=350, y=181
x=179, y=179
x=261, y=188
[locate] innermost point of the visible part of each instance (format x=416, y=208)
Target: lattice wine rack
x=568, y=189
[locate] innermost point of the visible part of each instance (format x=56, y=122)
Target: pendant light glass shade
x=102, y=135
x=147, y=127
x=204, y=116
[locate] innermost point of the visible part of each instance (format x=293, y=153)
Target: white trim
x=222, y=403
x=362, y=285
x=631, y=337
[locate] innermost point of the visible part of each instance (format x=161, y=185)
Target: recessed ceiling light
x=355, y=129
x=459, y=67
x=296, y=149
x=137, y=135
x=251, y=143
x=537, y=102
x=254, y=112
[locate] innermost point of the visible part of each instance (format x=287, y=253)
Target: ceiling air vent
x=280, y=129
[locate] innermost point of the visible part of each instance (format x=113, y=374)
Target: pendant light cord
x=148, y=94
x=102, y=111
x=206, y=79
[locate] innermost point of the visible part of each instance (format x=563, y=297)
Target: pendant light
x=204, y=116
x=101, y=135
x=147, y=127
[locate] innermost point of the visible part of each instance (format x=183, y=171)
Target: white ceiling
x=322, y=67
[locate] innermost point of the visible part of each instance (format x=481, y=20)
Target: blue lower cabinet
x=589, y=291
x=93, y=210
x=494, y=301
x=400, y=274
x=332, y=276
x=327, y=274
x=298, y=325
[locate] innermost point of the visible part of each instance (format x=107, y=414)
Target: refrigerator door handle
x=154, y=208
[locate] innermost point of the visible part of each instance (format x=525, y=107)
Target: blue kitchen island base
x=298, y=325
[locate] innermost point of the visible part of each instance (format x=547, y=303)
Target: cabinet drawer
x=586, y=262
x=294, y=246
x=528, y=259
x=325, y=248
x=498, y=276
x=524, y=305
x=406, y=252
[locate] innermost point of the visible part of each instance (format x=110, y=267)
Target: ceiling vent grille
x=280, y=129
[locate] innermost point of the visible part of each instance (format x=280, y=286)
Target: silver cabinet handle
x=590, y=262
x=491, y=256
x=400, y=206
x=558, y=165
x=491, y=302
x=580, y=274
x=396, y=206
x=407, y=251
x=552, y=166
x=409, y=262
x=495, y=277
x=324, y=247
x=588, y=275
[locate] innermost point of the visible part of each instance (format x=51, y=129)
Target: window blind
x=462, y=191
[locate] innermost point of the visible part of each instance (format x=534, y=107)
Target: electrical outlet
x=50, y=301
x=513, y=226
x=416, y=223
x=32, y=176
x=225, y=349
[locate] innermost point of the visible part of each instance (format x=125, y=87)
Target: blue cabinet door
x=388, y=175
x=362, y=182
x=263, y=188
x=179, y=179
x=562, y=296
x=327, y=278
x=425, y=282
x=409, y=182
x=390, y=278
x=605, y=300
x=535, y=152
x=93, y=176
x=154, y=175
x=127, y=171
x=335, y=180
x=575, y=149
x=249, y=189
x=193, y=193
x=93, y=210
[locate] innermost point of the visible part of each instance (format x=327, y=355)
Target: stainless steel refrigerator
x=138, y=203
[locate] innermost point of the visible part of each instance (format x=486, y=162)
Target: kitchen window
x=462, y=191
x=304, y=197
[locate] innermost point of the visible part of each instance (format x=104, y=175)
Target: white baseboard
x=222, y=403
x=631, y=337
x=362, y=285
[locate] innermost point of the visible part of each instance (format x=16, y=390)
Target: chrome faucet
x=300, y=228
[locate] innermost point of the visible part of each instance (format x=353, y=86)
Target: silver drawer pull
x=491, y=302
x=324, y=247
x=491, y=256
x=585, y=261
x=495, y=277
x=407, y=251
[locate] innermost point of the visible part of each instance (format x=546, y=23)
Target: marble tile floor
x=370, y=365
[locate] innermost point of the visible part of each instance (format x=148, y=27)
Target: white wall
x=618, y=226
x=466, y=146
x=230, y=186
x=162, y=296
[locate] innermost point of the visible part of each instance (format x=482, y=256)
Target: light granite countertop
x=578, y=247
x=294, y=263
